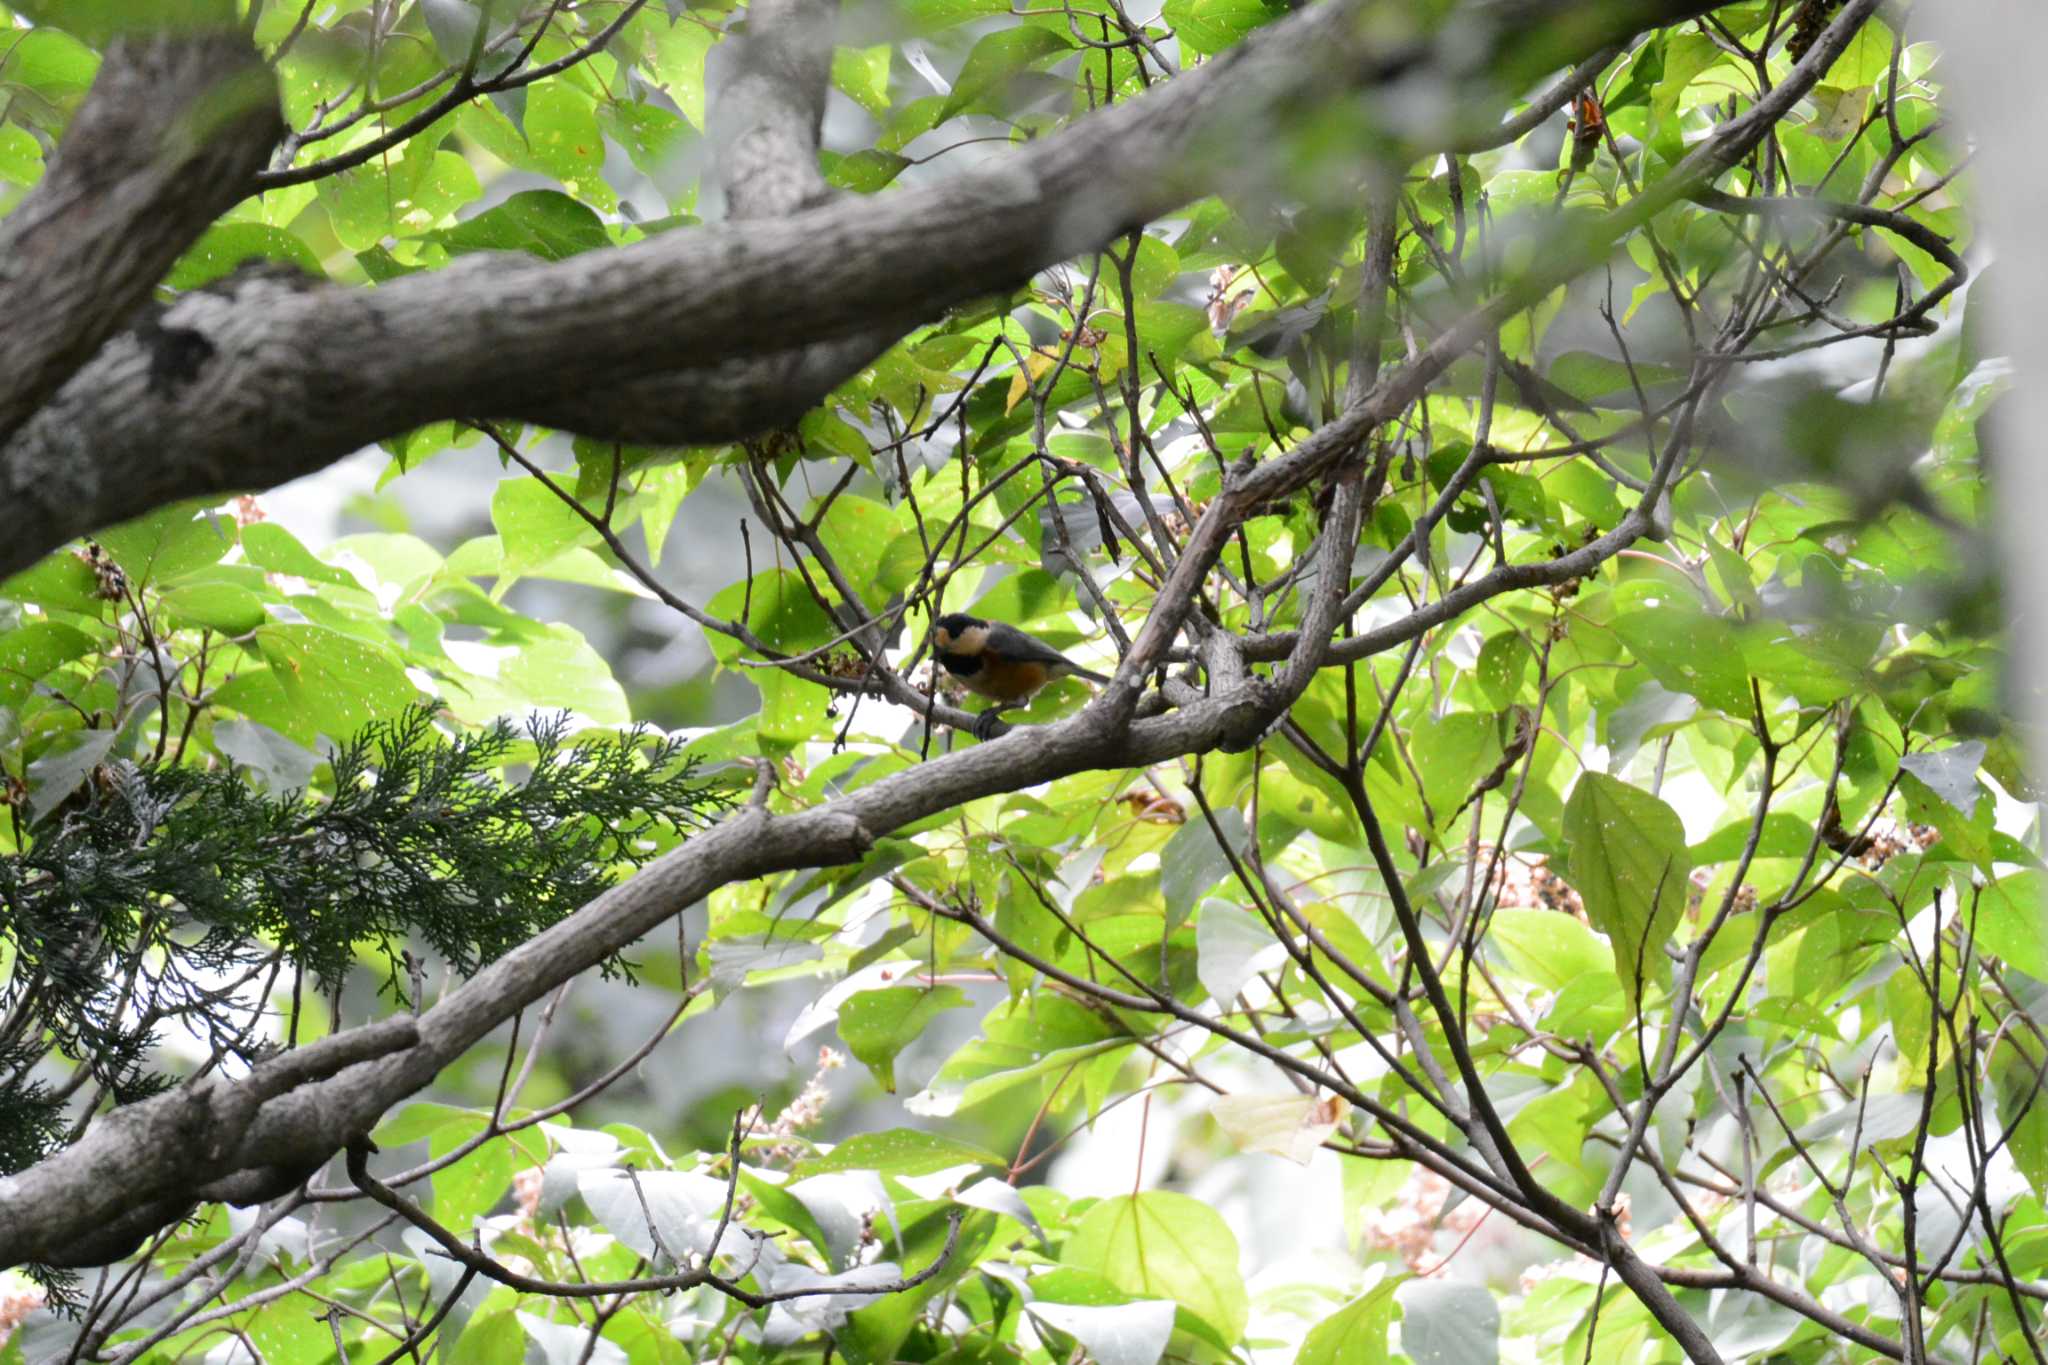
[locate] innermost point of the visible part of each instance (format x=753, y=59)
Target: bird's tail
x=1090, y=674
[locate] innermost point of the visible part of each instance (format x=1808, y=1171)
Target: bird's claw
x=988, y=725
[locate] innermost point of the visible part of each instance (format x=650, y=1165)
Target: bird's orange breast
x=1006, y=679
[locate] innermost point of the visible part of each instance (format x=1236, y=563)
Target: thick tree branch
x=247, y=1140
x=165, y=142
x=264, y=1137
x=767, y=104
x=276, y=381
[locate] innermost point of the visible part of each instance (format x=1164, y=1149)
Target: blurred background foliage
x=1786, y=703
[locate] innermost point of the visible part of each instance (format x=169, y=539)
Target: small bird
x=1000, y=662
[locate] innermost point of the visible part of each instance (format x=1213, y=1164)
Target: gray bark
x=258, y=381
x=287, y=376
x=165, y=143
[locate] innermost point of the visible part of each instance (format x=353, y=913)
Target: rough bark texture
x=164, y=144
x=258, y=382
x=276, y=377
x=766, y=109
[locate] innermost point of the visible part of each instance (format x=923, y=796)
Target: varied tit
x=999, y=662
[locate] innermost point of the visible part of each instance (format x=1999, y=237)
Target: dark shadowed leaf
x=544, y=223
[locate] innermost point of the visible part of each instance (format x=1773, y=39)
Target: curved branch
x=164, y=144
x=259, y=398
x=263, y=1134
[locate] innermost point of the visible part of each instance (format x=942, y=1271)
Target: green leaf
x=1193, y=860
x=284, y=1330
x=1629, y=864
x=1355, y=1334
x=1732, y=570
x=647, y=1339
x=1686, y=56
x=369, y=203
x=1446, y=1321
x=166, y=544
x=225, y=607
x=453, y=24
x=1503, y=665
x=929, y=16
x=1546, y=947
x=1070, y=1284
x=1784, y=836
x=1024, y=1040
x=335, y=684
x=1964, y=817
x=394, y=558
x=877, y=1025
x=64, y=767
x=1453, y=751
x=651, y=135
x=28, y=652
x=1157, y=266
x=534, y=524
x=863, y=73
x=2012, y=922
x=1867, y=58
x=875, y=1334
x=561, y=129
x=1159, y=1244
x=864, y=172
x=1586, y=375
x=277, y=764
x=543, y=223
x=826, y=428
x=490, y=1339
x=1689, y=651
x=1208, y=26
x=21, y=156
x=224, y=246
x=269, y=546
x=1166, y=330
x=858, y=531
x=899, y=1151
x=995, y=59
x=1950, y=773
x=1587, y=491
x=1231, y=944
x=779, y=610
x=2020, y=1082
x=1800, y=664
x=467, y=1190
x=1955, y=433
x=678, y=63
x=554, y=670
x=1114, y=1333
x=51, y=63
x=792, y=709
x=62, y=580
